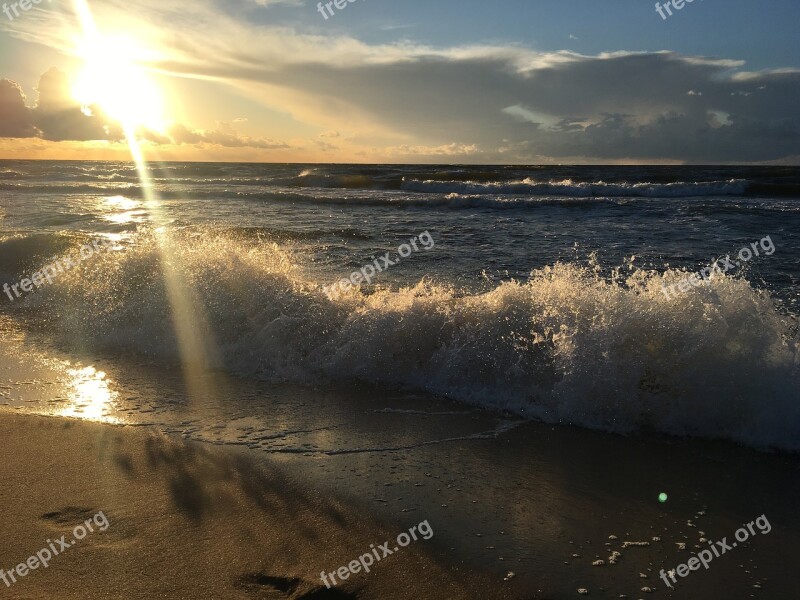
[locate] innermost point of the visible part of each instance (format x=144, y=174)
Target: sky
x=417, y=81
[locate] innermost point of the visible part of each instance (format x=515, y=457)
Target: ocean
x=541, y=296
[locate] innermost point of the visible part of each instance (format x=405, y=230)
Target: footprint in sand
x=268, y=587
x=69, y=516
x=65, y=521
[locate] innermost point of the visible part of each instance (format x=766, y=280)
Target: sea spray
x=566, y=346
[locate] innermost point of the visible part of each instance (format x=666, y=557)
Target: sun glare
x=113, y=79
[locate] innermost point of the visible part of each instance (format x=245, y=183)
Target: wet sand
x=185, y=521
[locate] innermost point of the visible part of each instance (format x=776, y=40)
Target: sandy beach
x=185, y=521
x=221, y=519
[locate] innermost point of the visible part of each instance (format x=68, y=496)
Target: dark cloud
x=15, y=118
x=612, y=106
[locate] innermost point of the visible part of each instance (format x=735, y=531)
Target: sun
x=114, y=79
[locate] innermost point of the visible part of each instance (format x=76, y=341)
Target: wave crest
x=528, y=186
x=566, y=346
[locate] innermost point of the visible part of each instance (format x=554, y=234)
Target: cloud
x=60, y=118
x=57, y=117
x=15, y=117
x=505, y=103
x=183, y=135
x=608, y=106
x=453, y=149
x=224, y=135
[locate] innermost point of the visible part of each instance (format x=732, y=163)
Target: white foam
x=566, y=347
x=569, y=188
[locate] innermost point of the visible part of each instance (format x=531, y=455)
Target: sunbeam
x=194, y=337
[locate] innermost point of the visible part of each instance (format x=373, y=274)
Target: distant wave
x=63, y=187
x=532, y=180
x=100, y=177
x=565, y=347
x=301, y=195
x=485, y=185
x=733, y=187
x=345, y=181
x=374, y=186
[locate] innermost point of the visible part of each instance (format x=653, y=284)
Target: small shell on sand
x=598, y=563
x=583, y=591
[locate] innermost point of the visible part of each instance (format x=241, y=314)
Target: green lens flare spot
x=662, y=497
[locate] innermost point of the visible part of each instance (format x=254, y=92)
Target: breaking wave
x=566, y=346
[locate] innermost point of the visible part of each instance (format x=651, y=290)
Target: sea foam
x=565, y=346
